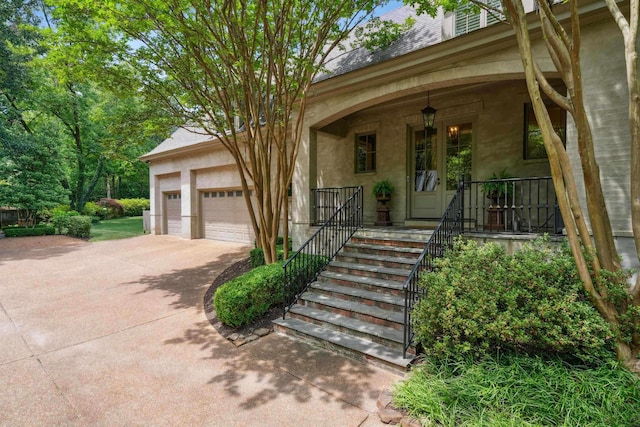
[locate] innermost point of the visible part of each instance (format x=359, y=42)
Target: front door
x=424, y=178
x=437, y=163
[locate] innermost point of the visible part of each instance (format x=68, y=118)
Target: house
x=195, y=189
x=364, y=123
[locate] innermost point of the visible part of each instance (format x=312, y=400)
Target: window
x=459, y=154
x=238, y=193
x=533, y=143
x=366, y=153
x=206, y=195
x=469, y=18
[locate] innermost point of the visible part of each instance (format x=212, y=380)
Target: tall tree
x=30, y=159
x=240, y=69
x=598, y=261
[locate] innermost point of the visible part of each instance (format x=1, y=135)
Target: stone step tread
x=354, y=307
x=349, y=323
x=358, y=293
x=383, y=258
x=360, y=345
x=398, y=240
x=399, y=249
x=416, y=233
x=370, y=268
x=372, y=281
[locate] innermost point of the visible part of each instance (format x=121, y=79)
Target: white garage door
x=173, y=213
x=225, y=216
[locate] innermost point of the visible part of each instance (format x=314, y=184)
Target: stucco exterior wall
x=206, y=168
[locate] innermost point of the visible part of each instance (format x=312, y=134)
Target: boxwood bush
x=241, y=300
x=79, y=226
x=479, y=301
x=40, y=230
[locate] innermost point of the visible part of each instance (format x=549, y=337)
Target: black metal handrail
x=514, y=205
x=450, y=226
x=326, y=201
x=313, y=256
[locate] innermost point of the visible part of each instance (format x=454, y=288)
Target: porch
x=352, y=286
x=513, y=206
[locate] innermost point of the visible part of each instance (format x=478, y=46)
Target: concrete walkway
x=114, y=333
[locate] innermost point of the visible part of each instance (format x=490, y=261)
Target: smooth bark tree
x=238, y=69
x=595, y=253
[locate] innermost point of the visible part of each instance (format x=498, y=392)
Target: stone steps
x=356, y=306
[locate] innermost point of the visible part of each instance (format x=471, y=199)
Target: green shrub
x=257, y=255
x=239, y=301
x=29, y=231
x=134, y=207
x=60, y=219
x=79, y=226
x=481, y=301
x=94, y=210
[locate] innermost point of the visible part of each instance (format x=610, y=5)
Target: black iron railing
x=517, y=205
x=313, y=256
x=449, y=227
x=326, y=202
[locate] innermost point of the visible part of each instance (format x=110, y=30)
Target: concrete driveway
x=114, y=333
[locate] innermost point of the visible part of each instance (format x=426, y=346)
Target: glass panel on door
x=458, y=162
x=425, y=161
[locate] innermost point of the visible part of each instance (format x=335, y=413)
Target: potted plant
x=501, y=195
x=496, y=190
x=383, y=191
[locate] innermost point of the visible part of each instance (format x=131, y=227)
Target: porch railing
x=449, y=227
x=326, y=202
x=313, y=256
x=516, y=205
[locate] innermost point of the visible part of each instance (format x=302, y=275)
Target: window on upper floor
x=468, y=18
x=366, y=152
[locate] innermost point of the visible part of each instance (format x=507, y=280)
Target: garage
x=173, y=214
x=224, y=216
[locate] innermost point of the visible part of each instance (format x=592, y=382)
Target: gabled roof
x=182, y=138
x=426, y=31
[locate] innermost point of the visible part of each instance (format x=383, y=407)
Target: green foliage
x=481, y=301
x=60, y=218
x=520, y=391
x=378, y=34
x=494, y=189
x=94, y=210
x=257, y=255
x=239, y=301
x=384, y=187
x=79, y=226
x=29, y=231
x=134, y=207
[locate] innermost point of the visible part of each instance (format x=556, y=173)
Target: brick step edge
x=370, y=350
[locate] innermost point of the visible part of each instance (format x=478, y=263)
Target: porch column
x=304, y=179
x=189, y=204
x=155, y=204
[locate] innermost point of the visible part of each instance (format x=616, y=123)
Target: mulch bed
x=231, y=272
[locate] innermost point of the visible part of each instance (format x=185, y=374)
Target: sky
x=389, y=7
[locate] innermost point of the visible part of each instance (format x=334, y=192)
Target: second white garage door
x=225, y=216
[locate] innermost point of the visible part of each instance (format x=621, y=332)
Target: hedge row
x=29, y=231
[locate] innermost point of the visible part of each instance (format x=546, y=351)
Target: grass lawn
x=119, y=228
